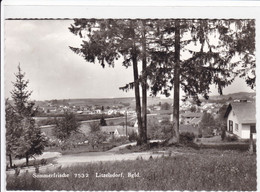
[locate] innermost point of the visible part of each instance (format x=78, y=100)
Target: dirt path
x=90, y=157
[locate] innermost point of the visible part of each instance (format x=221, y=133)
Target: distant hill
x=233, y=96
x=130, y=101
x=124, y=102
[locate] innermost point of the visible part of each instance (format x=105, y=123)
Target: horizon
x=133, y=97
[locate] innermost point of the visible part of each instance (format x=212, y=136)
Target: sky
x=55, y=72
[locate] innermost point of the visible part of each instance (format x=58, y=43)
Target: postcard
x=112, y=96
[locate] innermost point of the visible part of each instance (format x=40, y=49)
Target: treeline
x=51, y=120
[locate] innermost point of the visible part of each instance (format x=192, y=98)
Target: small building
x=118, y=130
x=241, y=120
x=190, y=118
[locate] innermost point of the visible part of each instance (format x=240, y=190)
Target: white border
x=124, y=9
x=156, y=3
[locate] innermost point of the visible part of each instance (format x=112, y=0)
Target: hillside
x=233, y=96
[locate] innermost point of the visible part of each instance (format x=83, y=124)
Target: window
x=252, y=129
x=230, y=126
x=236, y=126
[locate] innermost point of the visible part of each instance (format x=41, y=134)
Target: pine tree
x=13, y=132
x=31, y=140
x=106, y=41
x=193, y=54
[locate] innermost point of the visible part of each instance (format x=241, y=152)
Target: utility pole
x=126, y=122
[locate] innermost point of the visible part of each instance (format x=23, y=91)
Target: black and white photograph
x=101, y=103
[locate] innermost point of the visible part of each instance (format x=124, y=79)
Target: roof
x=121, y=130
x=244, y=111
x=195, y=120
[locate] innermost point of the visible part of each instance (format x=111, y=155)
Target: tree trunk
x=10, y=160
x=144, y=86
x=27, y=160
x=137, y=91
x=176, y=98
x=251, y=144
x=137, y=102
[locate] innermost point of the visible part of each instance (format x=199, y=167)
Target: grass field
x=194, y=170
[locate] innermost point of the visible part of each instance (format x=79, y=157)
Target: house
x=118, y=130
x=241, y=120
x=190, y=118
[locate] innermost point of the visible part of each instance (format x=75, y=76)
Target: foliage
x=75, y=139
x=223, y=134
x=221, y=122
x=103, y=121
x=79, y=117
x=13, y=132
x=162, y=130
x=186, y=138
x=94, y=127
x=96, y=136
x=106, y=40
x=21, y=126
x=133, y=136
x=206, y=170
x=165, y=106
x=207, y=124
x=66, y=126
x=193, y=109
x=231, y=138
x=190, y=54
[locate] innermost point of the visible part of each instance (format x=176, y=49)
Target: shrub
x=133, y=136
x=43, y=161
x=231, y=138
x=223, y=135
x=187, y=137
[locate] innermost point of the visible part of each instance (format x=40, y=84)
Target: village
x=121, y=117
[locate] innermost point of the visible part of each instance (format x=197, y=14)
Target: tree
x=165, y=106
x=96, y=136
x=193, y=109
x=66, y=126
x=194, y=53
x=207, y=124
x=31, y=140
x=13, y=131
x=103, y=121
x=107, y=40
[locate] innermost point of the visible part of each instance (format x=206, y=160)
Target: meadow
x=206, y=169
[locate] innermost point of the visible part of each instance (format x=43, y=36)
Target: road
x=89, y=157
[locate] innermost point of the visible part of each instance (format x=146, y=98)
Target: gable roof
x=244, y=111
x=120, y=129
x=195, y=121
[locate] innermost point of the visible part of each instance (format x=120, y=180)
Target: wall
x=246, y=132
x=232, y=116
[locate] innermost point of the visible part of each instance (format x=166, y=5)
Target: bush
x=231, y=138
x=133, y=136
x=223, y=135
x=187, y=137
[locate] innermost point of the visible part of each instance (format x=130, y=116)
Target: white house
x=241, y=119
x=118, y=130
